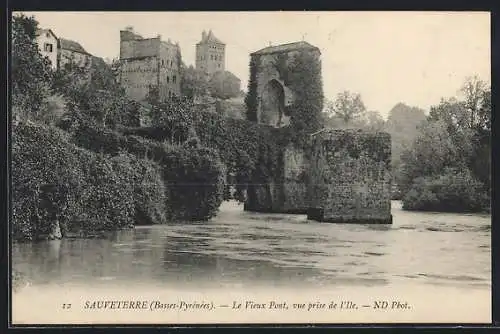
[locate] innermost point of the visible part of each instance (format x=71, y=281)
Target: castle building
x=148, y=64
x=210, y=54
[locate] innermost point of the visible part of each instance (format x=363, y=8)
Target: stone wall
x=295, y=168
x=350, y=177
x=138, y=76
x=148, y=63
x=132, y=49
x=286, y=190
x=170, y=83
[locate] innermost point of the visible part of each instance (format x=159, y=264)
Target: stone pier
x=350, y=177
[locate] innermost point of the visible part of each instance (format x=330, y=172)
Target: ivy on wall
x=251, y=99
x=300, y=72
x=304, y=77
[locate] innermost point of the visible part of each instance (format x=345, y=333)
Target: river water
x=273, y=252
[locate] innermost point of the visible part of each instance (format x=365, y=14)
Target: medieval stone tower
x=210, y=54
x=147, y=64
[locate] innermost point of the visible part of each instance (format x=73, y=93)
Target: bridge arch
x=272, y=104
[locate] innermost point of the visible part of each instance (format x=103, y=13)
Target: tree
x=348, y=107
x=95, y=95
x=473, y=90
x=175, y=118
x=484, y=112
x=224, y=85
x=403, y=125
x=431, y=152
x=193, y=82
x=453, y=112
x=373, y=121
x=31, y=72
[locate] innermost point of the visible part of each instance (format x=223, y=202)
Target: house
x=48, y=42
x=61, y=51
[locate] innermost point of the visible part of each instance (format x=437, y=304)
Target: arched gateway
x=272, y=105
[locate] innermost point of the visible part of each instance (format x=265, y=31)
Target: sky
x=388, y=57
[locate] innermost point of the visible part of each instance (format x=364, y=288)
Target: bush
x=248, y=150
x=84, y=191
x=109, y=198
x=452, y=191
x=33, y=169
x=194, y=180
x=194, y=176
x=150, y=194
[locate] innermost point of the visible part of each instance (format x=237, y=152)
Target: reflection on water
x=247, y=249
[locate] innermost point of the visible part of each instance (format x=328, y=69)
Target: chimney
x=129, y=28
x=158, y=36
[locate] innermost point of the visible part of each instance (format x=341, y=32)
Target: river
x=243, y=251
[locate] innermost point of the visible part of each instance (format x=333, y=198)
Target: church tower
x=210, y=54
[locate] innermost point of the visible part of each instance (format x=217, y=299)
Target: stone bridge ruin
x=342, y=176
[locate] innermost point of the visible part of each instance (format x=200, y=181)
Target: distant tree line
x=440, y=161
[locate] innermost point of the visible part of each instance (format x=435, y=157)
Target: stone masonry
x=147, y=64
x=274, y=94
x=349, y=177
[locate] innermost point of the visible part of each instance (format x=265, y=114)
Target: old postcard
x=250, y=167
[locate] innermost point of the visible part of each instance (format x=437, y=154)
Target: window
x=218, y=65
x=162, y=62
x=211, y=57
x=47, y=47
x=174, y=79
x=168, y=79
x=47, y=34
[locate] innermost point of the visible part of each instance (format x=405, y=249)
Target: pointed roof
x=68, y=44
x=295, y=46
x=210, y=37
x=44, y=31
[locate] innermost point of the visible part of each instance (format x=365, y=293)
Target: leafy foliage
x=93, y=93
x=304, y=76
x=251, y=97
x=194, y=178
x=193, y=175
x=30, y=71
x=347, y=107
x=193, y=82
x=451, y=190
x=89, y=192
x=453, y=139
x=247, y=149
